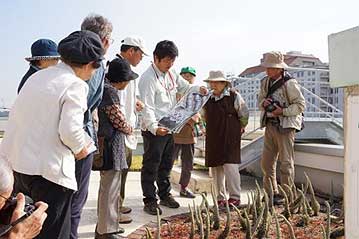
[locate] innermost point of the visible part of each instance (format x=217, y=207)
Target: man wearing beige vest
x=282, y=105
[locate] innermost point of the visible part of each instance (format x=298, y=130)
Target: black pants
x=187, y=152
x=156, y=166
x=58, y=222
x=83, y=171
x=124, y=173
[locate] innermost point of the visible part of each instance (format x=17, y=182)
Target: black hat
x=119, y=70
x=81, y=47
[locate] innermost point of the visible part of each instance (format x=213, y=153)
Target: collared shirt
x=128, y=108
x=158, y=93
x=239, y=105
x=45, y=127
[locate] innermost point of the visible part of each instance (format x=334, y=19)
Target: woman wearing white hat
x=226, y=115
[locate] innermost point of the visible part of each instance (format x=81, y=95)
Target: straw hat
x=274, y=59
x=216, y=76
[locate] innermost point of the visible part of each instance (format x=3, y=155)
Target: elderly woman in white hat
x=226, y=115
x=281, y=103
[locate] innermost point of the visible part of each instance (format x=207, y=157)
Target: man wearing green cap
x=185, y=140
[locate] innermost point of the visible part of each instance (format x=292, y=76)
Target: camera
x=8, y=209
x=271, y=107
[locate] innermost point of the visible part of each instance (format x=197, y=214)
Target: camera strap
x=4, y=229
x=278, y=84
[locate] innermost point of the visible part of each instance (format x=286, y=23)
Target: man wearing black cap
x=103, y=28
x=113, y=129
x=45, y=130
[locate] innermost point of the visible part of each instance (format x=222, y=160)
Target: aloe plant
x=327, y=228
x=304, y=215
x=289, y=192
x=208, y=224
x=286, y=212
x=314, y=203
x=148, y=233
x=277, y=227
x=290, y=227
x=248, y=226
x=158, y=224
x=227, y=228
x=193, y=229
x=201, y=228
x=257, y=222
x=242, y=221
x=215, y=209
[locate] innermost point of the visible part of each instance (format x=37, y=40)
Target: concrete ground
x=134, y=200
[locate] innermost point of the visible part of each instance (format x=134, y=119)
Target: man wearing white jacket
x=45, y=132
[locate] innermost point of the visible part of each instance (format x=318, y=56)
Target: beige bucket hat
x=274, y=59
x=216, y=76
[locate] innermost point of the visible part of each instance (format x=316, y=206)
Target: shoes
x=235, y=202
x=151, y=208
x=278, y=199
x=125, y=210
x=221, y=204
x=113, y=235
x=125, y=219
x=170, y=202
x=186, y=193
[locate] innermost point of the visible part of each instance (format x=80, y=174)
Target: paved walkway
x=134, y=200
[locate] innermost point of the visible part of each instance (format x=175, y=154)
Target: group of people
x=62, y=111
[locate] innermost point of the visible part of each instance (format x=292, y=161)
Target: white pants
x=108, y=212
x=228, y=174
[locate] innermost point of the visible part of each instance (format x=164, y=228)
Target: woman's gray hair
x=6, y=176
x=97, y=24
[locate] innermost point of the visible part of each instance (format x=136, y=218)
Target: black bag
x=103, y=159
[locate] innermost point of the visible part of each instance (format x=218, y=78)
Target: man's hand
x=278, y=111
x=31, y=226
x=82, y=154
x=267, y=102
x=162, y=131
x=203, y=90
x=139, y=105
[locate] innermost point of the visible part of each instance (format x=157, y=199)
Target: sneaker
x=125, y=210
x=112, y=235
x=124, y=219
x=221, y=204
x=186, y=193
x=151, y=208
x=235, y=202
x=278, y=199
x=170, y=202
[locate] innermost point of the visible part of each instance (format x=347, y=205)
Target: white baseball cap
x=135, y=41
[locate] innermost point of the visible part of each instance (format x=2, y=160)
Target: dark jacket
x=113, y=140
x=32, y=70
x=223, y=132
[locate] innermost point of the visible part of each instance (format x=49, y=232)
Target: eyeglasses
x=111, y=40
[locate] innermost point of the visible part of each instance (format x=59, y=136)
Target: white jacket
x=45, y=127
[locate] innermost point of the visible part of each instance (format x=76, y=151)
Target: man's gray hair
x=97, y=24
x=6, y=176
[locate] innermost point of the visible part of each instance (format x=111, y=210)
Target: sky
x=227, y=35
